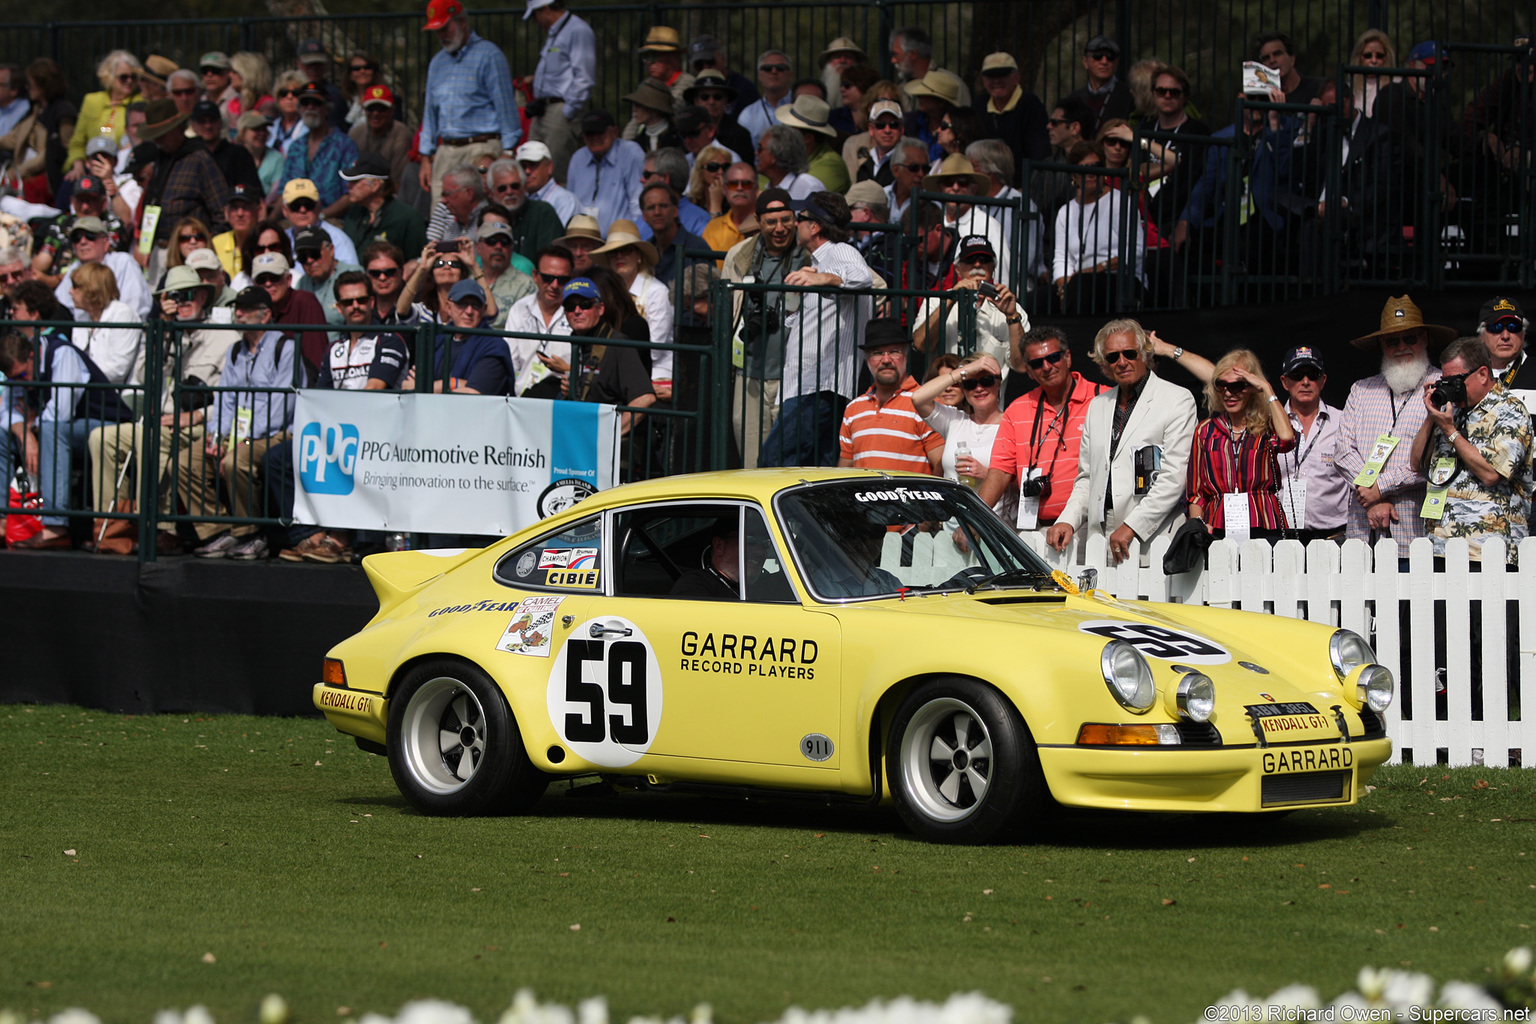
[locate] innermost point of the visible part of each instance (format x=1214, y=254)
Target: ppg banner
x=446, y=463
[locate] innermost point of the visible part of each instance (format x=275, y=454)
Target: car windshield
x=878, y=537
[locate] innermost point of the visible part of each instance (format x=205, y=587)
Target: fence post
x=722, y=367
x=148, y=456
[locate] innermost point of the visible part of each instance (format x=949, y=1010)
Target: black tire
x=962, y=764
x=454, y=747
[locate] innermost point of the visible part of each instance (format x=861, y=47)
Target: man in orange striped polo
x=881, y=428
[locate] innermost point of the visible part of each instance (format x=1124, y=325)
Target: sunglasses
x=887, y=124
x=1117, y=142
x=1166, y=92
x=946, y=126
x=470, y=302
x=1395, y=340
x=914, y=168
x=738, y=184
x=716, y=167
x=208, y=71
x=361, y=67
x=1057, y=122
x=1511, y=324
x=455, y=264
x=693, y=134
x=578, y=302
x=1050, y=357
x=382, y=272
x=307, y=256
x=310, y=101
x=194, y=237
x=1129, y=354
x=778, y=68
x=510, y=186
x=285, y=93
x=711, y=97
x=500, y=241
x=1305, y=373
x=183, y=92
x=303, y=205
x=13, y=277
x=77, y=237
x=269, y=279
x=273, y=247
x=183, y=296
x=560, y=279
x=127, y=78
x=986, y=380
x=1231, y=387
x=1103, y=55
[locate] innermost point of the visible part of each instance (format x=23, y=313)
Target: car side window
x=696, y=552
x=570, y=560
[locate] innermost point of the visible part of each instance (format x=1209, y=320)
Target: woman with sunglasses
x=384, y=263
x=105, y=112
x=115, y=350
x=1372, y=49
x=1117, y=137
x=1234, y=476
x=362, y=72
x=251, y=76
x=706, y=184
x=266, y=236
x=189, y=235
x=969, y=430
x=957, y=129
x=447, y=263
x=288, y=126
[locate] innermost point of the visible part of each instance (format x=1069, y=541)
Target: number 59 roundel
x=605, y=692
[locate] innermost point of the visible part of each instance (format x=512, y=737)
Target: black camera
x=1036, y=487
x=988, y=289
x=1448, y=390
x=759, y=321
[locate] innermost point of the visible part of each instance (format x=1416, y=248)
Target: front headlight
x=1374, y=688
x=1348, y=651
x=1128, y=676
x=1192, y=698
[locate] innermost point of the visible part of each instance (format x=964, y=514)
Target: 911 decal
x=1160, y=642
x=605, y=692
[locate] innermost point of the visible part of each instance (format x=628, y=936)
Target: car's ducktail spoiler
x=396, y=575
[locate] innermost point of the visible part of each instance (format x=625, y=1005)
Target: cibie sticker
x=605, y=692
x=1160, y=641
x=530, y=629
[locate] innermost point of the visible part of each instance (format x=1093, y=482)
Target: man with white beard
x=1381, y=419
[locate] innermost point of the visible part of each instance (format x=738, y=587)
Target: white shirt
x=822, y=336
x=991, y=329
x=562, y=199
x=1088, y=235
x=525, y=317
x=898, y=208
x=114, y=350
x=655, y=305
x=975, y=220
x=958, y=428
x=759, y=116
x=131, y=286
x=800, y=186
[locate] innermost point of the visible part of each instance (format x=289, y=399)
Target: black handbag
x=1188, y=548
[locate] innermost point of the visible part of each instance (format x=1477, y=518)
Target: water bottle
x=963, y=451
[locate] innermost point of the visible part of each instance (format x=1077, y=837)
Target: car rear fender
x=395, y=575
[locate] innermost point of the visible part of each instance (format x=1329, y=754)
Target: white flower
x=1462, y=995
x=1372, y=983
x=592, y=1011
x=374, y=1018
x=197, y=1015
x=74, y=1015
x=433, y=1011
x=274, y=1010
x=1407, y=989
x=1518, y=960
x=1303, y=996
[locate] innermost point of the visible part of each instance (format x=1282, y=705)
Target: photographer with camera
x=1000, y=323
x=1474, y=448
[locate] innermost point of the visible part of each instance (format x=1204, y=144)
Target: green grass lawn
x=134, y=847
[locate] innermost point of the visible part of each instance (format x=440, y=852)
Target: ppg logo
x=327, y=457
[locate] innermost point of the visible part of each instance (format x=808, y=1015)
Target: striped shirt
x=469, y=93
x=889, y=436
x=822, y=336
x=1370, y=411
x=1049, y=439
x=1243, y=463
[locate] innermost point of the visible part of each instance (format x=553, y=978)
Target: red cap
x=439, y=12
x=378, y=94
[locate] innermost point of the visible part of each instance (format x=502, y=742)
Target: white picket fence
x=1345, y=586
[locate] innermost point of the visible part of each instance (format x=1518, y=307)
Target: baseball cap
x=1102, y=42
x=998, y=64
x=312, y=51
x=243, y=193
x=254, y=296
x=184, y=276
x=101, y=144
x=703, y=48
x=440, y=12
x=811, y=206
x=269, y=263
x=594, y=122
x=493, y=229
x=690, y=120
x=769, y=196
x=1302, y=355
x=378, y=96
x=582, y=286
x=202, y=259
x=532, y=153
x=204, y=110
x=214, y=59
x=867, y=191
x=466, y=289
x=313, y=91
x=976, y=245
x=91, y=185
x=300, y=188
x=309, y=238
x=1493, y=309
x=884, y=107
x=94, y=225
x=251, y=119
x=1429, y=51
x=533, y=5
x=367, y=165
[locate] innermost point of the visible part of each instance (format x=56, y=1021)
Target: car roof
x=754, y=484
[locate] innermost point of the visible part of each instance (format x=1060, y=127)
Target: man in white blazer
x=1130, y=481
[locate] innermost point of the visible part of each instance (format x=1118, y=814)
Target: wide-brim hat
x=158, y=68
x=808, y=113
x=1400, y=314
x=712, y=79
x=661, y=39
x=583, y=227
x=623, y=233
x=842, y=44
x=956, y=166
x=160, y=118
x=939, y=83
x=653, y=95
x=181, y=277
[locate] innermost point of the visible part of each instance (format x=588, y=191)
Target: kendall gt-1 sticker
x=1160, y=642
x=530, y=629
x=605, y=692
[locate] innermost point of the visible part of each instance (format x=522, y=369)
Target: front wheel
x=962, y=763
x=454, y=747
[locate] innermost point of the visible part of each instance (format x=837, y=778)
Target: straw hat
x=621, y=235
x=842, y=44
x=808, y=113
x=662, y=39
x=583, y=227
x=957, y=166
x=943, y=84
x=653, y=95
x=1400, y=314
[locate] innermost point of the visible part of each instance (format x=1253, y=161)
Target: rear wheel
x=962, y=763
x=454, y=747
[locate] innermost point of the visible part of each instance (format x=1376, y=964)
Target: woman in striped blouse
x=1234, y=451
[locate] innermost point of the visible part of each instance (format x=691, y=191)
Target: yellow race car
x=850, y=634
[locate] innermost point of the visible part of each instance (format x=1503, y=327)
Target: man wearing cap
x=958, y=177
x=381, y=134
x=251, y=134
x=464, y=363
x=650, y=121
x=91, y=244
x=322, y=153
x=312, y=250
x=193, y=354
x=88, y=200
x=1276, y=52
x=241, y=427
x=494, y=245
x=808, y=115
x=841, y=54
x=562, y=81
x=538, y=166
x=605, y=173
x=1010, y=113
x=661, y=58
x=774, y=72
x=315, y=61
x=1380, y=419
x=290, y=305
x=375, y=213
x=214, y=68
x=1000, y=323
x=153, y=76
x=886, y=125
x=211, y=273
x=1314, y=495
x=611, y=374
x=868, y=204
x=819, y=360
x=541, y=314
x=936, y=94
x=235, y=162
x=761, y=319
x=1501, y=323
x=912, y=56
x=469, y=110
x=713, y=94
x=1105, y=94
x=881, y=429
x=697, y=130
x=301, y=205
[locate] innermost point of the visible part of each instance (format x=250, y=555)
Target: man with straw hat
x=841, y=54
x=958, y=177
x=582, y=236
x=661, y=57
x=1381, y=419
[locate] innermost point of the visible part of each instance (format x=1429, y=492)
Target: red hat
x=439, y=12
x=378, y=95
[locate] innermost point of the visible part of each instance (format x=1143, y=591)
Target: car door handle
x=597, y=629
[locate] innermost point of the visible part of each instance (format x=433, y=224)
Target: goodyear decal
x=478, y=606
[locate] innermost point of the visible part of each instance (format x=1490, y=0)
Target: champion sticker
x=1160, y=642
x=555, y=558
x=530, y=629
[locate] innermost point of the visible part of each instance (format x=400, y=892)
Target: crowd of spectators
x=315, y=229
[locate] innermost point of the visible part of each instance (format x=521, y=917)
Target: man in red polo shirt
x=881, y=429
x=1037, y=444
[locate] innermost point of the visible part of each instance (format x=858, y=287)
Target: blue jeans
x=59, y=442
x=806, y=433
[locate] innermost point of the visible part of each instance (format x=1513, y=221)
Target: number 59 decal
x=604, y=692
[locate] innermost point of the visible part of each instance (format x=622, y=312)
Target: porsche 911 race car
x=859, y=635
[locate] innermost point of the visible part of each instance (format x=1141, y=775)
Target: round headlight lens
x=1128, y=676
x=1196, y=697
x=1348, y=651
x=1374, y=688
